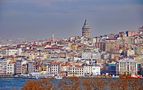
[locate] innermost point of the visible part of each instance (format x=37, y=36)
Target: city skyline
x=34, y=19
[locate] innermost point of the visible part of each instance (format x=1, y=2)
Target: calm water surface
x=12, y=83
x=18, y=83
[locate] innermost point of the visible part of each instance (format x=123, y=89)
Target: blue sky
x=39, y=19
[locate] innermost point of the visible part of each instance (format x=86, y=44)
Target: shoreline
x=2, y=77
x=40, y=77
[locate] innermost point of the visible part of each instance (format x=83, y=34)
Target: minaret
x=86, y=30
x=53, y=37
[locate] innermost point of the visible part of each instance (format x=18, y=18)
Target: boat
x=58, y=77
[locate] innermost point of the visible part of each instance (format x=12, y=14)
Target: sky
x=39, y=19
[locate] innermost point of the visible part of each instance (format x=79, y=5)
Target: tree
x=43, y=84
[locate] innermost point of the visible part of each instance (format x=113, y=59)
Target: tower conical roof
x=85, y=24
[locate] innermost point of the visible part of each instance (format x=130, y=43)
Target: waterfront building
x=96, y=70
x=111, y=68
x=24, y=67
x=65, y=68
x=10, y=68
x=18, y=67
x=3, y=64
x=54, y=68
x=76, y=70
x=91, y=70
x=126, y=66
x=30, y=67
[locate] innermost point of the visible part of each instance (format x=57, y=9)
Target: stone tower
x=86, y=30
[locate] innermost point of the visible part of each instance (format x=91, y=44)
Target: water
x=12, y=83
x=18, y=83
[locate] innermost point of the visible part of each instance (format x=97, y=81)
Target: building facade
x=76, y=70
x=10, y=68
x=53, y=68
x=91, y=70
x=127, y=66
x=18, y=67
x=3, y=64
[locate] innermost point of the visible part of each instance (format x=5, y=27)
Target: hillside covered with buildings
x=78, y=56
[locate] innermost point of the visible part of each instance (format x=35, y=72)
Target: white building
x=11, y=52
x=87, y=70
x=3, y=64
x=76, y=70
x=90, y=70
x=91, y=55
x=53, y=68
x=127, y=66
x=10, y=68
x=96, y=70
